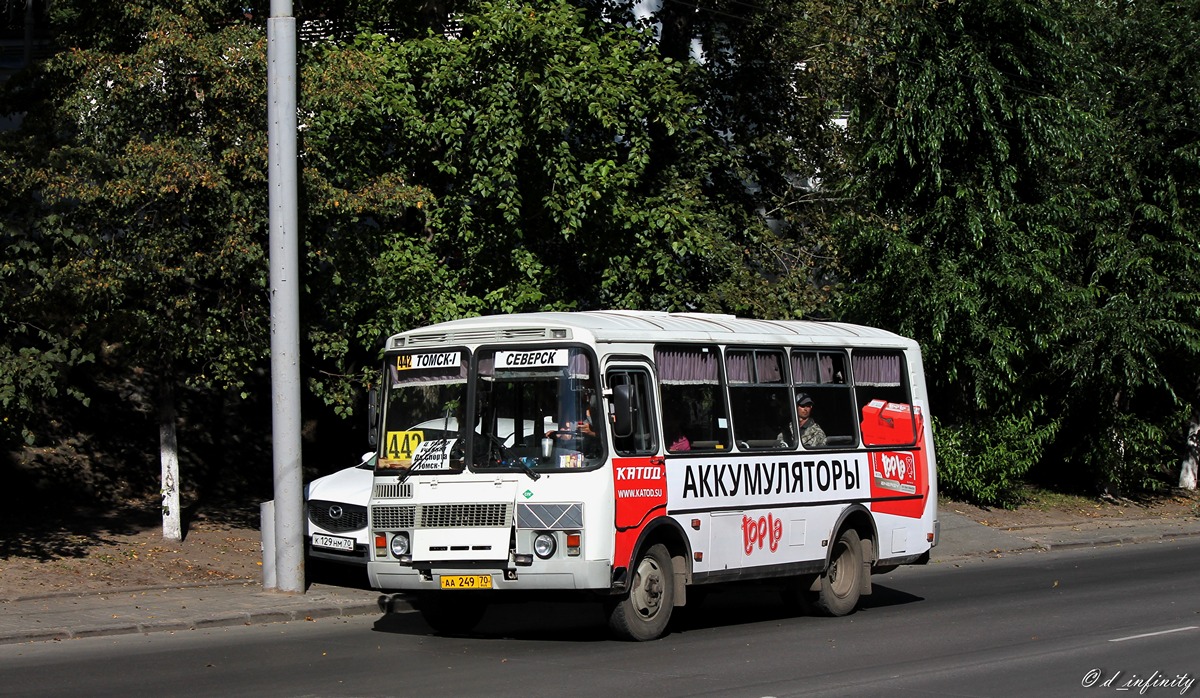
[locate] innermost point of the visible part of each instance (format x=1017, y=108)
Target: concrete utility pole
x=285, y=298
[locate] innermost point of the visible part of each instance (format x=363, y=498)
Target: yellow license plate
x=466, y=581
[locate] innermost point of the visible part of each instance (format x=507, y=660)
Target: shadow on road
x=541, y=621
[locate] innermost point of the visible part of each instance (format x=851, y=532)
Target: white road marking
x=1163, y=632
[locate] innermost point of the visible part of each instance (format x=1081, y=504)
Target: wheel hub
x=647, y=594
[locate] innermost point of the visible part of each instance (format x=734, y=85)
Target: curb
x=217, y=621
x=382, y=605
x=1110, y=541
x=58, y=616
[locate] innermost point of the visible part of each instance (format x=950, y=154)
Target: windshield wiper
x=526, y=465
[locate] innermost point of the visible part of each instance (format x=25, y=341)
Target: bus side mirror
x=623, y=410
x=373, y=416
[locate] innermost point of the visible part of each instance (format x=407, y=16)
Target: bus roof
x=643, y=326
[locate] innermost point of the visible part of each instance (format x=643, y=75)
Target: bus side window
x=881, y=388
x=759, y=398
x=692, y=395
x=823, y=376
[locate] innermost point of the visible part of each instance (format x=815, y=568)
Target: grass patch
x=1042, y=499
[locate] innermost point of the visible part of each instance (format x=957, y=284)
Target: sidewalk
x=964, y=537
x=126, y=611
x=64, y=616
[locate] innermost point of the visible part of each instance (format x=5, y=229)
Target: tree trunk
x=1188, y=473
x=27, y=53
x=169, y=454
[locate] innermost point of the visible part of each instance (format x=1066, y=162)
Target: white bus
x=634, y=457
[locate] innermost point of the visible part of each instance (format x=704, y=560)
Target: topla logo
x=896, y=466
x=766, y=530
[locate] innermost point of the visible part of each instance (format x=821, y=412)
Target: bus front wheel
x=841, y=584
x=645, y=612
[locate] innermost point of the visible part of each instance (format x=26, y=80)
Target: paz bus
x=634, y=457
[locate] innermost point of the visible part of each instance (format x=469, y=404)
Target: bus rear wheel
x=841, y=584
x=451, y=613
x=645, y=612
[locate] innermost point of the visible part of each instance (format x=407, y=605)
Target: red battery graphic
x=899, y=484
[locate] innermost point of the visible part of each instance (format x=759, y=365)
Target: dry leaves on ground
x=100, y=561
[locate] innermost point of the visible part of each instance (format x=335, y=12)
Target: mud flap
x=868, y=559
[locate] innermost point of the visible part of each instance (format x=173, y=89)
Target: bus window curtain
x=881, y=370
x=686, y=367
x=812, y=369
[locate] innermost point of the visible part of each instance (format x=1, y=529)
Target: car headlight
x=399, y=544
x=544, y=545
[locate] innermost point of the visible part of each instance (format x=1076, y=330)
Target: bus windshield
x=539, y=408
x=426, y=397
x=533, y=410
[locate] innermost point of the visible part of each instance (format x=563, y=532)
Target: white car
x=336, y=506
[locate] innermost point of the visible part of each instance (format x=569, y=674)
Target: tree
x=769, y=77
x=443, y=176
x=149, y=188
x=42, y=337
x=983, y=172
x=1143, y=318
x=539, y=159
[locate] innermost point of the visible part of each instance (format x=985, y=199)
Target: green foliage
x=158, y=170
x=986, y=462
x=1017, y=188
x=555, y=139
x=41, y=336
x=1047, y=262
x=136, y=225
x=1134, y=338
x=536, y=159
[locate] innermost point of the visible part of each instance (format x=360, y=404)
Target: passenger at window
x=677, y=441
x=811, y=433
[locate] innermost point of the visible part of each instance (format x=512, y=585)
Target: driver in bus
x=580, y=436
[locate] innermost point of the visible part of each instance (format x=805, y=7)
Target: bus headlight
x=399, y=545
x=544, y=545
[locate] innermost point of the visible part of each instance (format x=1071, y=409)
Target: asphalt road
x=1034, y=624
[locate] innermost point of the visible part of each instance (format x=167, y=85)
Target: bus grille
x=396, y=490
x=392, y=518
x=550, y=516
x=465, y=515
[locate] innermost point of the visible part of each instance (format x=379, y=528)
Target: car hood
x=350, y=486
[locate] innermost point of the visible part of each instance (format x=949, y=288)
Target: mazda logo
x=335, y=512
